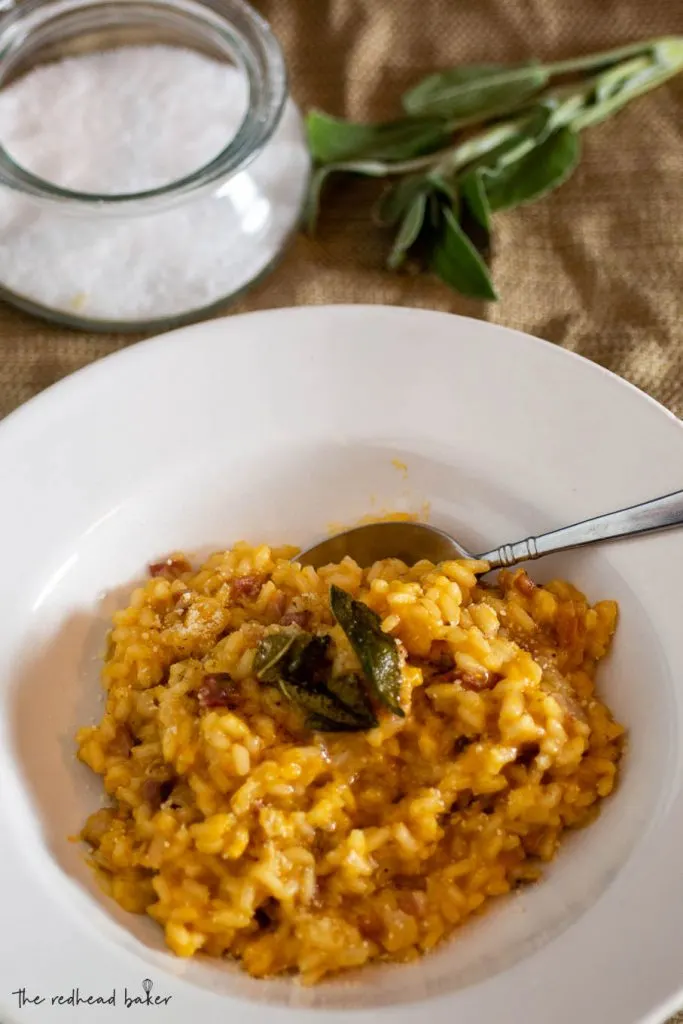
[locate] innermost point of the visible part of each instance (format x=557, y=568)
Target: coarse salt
x=124, y=121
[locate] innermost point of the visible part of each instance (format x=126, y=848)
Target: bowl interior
x=292, y=491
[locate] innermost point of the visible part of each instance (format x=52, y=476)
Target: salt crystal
x=128, y=120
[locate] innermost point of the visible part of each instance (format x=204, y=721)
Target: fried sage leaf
x=318, y=723
x=307, y=663
x=307, y=680
x=321, y=703
x=298, y=664
x=375, y=649
x=269, y=653
x=350, y=690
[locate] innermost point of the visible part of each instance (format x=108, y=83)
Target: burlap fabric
x=597, y=267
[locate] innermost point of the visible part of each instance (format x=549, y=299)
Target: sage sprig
x=477, y=139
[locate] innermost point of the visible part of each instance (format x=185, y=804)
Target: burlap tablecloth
x=597, y=267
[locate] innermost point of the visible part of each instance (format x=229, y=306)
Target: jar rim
x=250, y=41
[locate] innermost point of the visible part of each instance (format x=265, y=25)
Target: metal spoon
x=412, y=542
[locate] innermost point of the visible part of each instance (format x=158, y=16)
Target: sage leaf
x=269, y=653
x=474, y=213
x=475, y=148
x=410, y=228
x=376, y=650
x=480, y=89
x=395, y=201
x=474, y=195
x=539, y=172
x=350, y=690
x=533, y=129
x=530, y=131
x=614, y=80
x=307, y=663
x=318, y=723
x=322, y=704
x=444, y=183
x=563, y=105
x=639, y=84
x=367, y=168
x=608, y=58
x=298, y=663
x=315, y=187
x=456, y=261
x=668, y=52
x=509, y=152
x=334, y=140
x=435, y=210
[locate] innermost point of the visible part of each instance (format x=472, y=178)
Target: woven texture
x=596, y=267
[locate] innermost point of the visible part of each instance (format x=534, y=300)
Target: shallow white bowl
x=270, y=427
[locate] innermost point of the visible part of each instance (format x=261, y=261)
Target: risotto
x=311, y=770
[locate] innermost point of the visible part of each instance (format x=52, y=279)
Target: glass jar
x=104, y=259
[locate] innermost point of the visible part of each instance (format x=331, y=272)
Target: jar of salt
x=151, y=163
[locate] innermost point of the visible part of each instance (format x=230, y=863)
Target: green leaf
x=375, y=649
x=668, y=52
x=307, y=663
x=615, y=79
x=322, y=704
x=475, y=213
x=475, y=89
x=436, y=205
x=662, y=48
x=334, y=140
x=315, y=187
x=366, y=168
x=269, y=653
x=350, y=690
x=445, y=184
x=298, y=663
x=474, y=194
x=410, y=228
x=509, y=152
x=563, y=105
x=456, y=261
x=529, y=131
x=539, y=172
x=637, y=85
x=395, y=201
x=476, y=147
x=318, y=723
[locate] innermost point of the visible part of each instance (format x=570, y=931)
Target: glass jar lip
x=264, y=70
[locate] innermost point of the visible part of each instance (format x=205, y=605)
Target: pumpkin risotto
x=310, y=770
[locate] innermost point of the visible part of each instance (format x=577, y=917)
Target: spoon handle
x=627, y=522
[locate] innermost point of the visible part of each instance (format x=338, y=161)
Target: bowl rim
x=613, y=913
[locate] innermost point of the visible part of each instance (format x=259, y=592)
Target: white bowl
x=271, y=426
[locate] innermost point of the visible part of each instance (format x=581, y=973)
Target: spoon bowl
x=409, y=541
